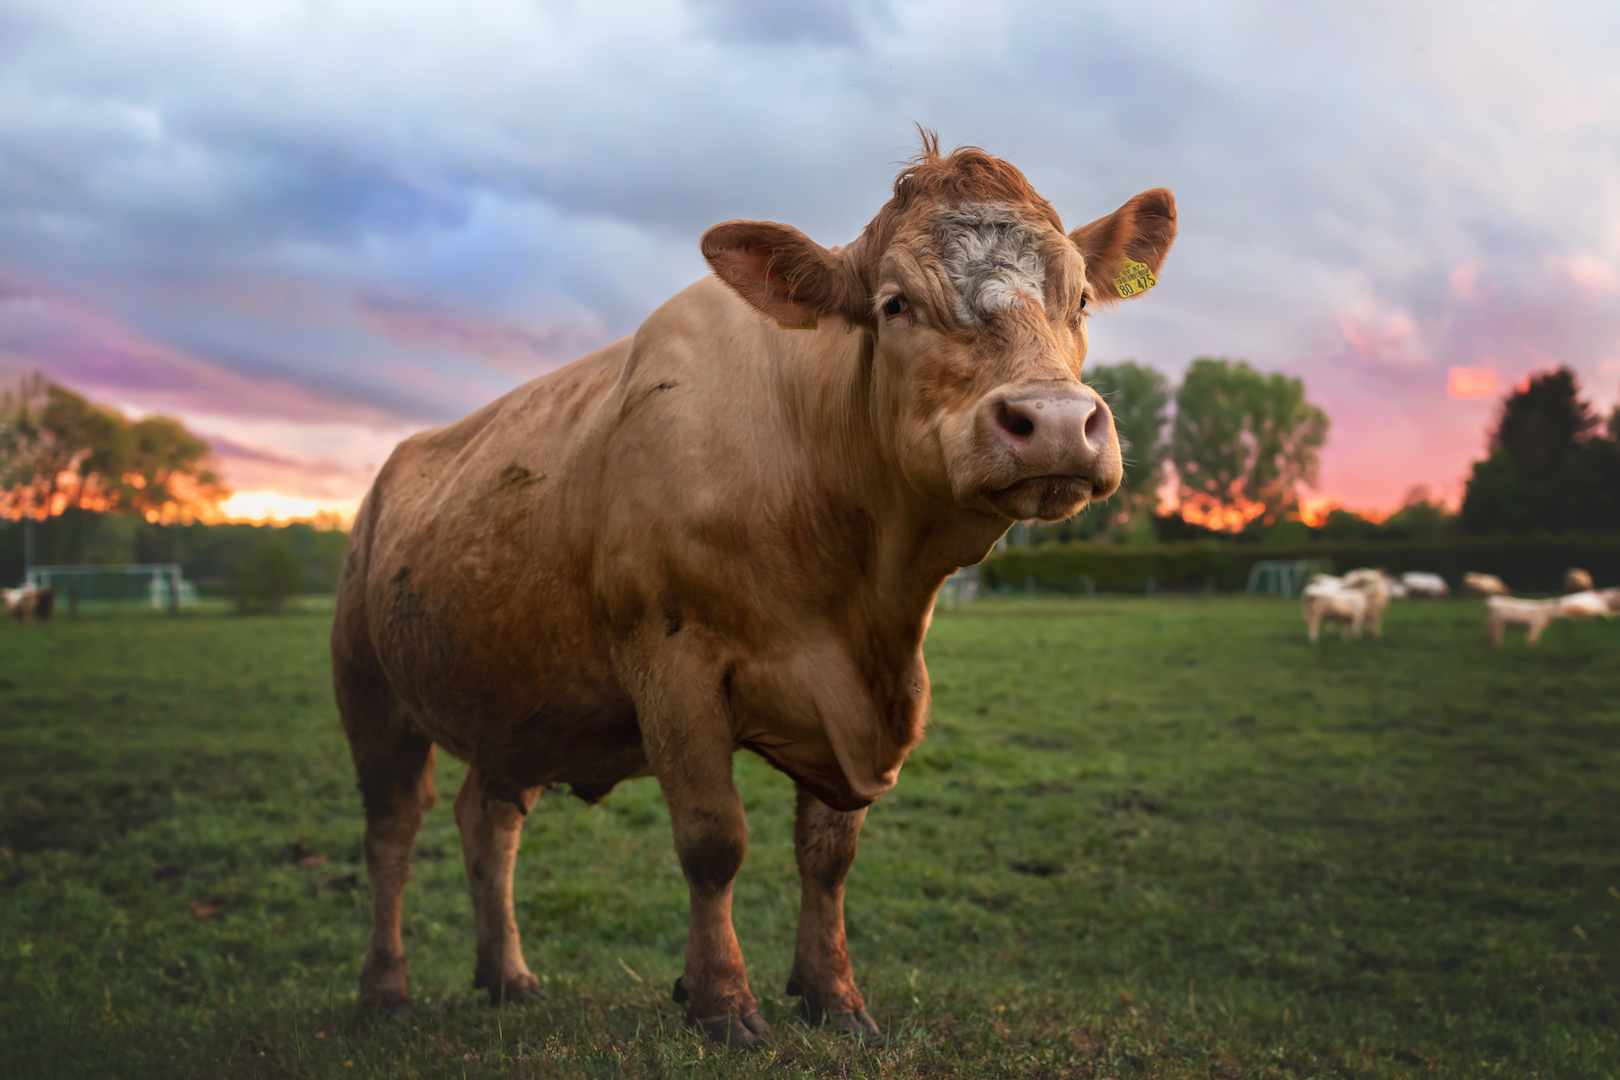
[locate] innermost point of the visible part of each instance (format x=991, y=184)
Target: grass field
x=1144, y=838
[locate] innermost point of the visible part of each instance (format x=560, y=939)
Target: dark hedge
x=1526, y=564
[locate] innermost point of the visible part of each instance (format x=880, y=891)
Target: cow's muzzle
x=1052, y=449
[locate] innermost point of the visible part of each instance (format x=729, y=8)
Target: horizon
x=306, y=246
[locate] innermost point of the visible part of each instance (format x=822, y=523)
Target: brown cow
x=726, y=531
x=28, y=602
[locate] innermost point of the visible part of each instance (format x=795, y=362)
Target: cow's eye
x=897, y=305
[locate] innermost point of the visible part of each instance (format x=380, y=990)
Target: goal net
x=126, y=585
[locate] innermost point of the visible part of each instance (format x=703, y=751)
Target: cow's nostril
x=1095, y=423
x=1013, y=423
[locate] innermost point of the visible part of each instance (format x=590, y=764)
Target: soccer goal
x=156, y=585
x=1282, y=577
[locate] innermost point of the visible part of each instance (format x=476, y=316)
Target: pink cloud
x=248, y=468
x=1466, y=383
x=105, y=358
x=503, y=345
x=1391, y=338
x=1592, y=275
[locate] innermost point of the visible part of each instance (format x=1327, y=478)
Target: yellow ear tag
x=1133, y=278
x=811, y=325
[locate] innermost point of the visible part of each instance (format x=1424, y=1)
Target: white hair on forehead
x=992, y=257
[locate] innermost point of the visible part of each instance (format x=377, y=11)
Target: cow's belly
x=558, y=732
x=519, y=684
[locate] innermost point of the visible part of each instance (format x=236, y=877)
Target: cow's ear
x=784, y=273
x=1125, y=249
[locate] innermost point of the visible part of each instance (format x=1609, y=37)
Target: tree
x=1342, y=525
x=267, y=574
x=1139, y=397
x=1544, y=422
x=31, y=461
x=1243, y=441
x=168, y=470
x=1548, y=465
x=59, y=451
x=91, y=447
x=1419, y=518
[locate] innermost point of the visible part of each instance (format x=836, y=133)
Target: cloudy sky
x=310, y=228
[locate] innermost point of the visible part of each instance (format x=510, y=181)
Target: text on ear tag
x=1133, y=278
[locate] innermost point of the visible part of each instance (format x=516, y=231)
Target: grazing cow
x=1356, y=600
x=1333, y=601
x=1577, y=580
x=1484, y=585
x=1423, y=584
x=19, y=602
x=1533, y=615
x=726, y=531
x=1378, y=588
x=1584, y=605
x=29, y=602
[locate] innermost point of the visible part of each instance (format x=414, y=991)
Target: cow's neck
x=903, y=542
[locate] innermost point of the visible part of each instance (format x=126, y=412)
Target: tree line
x=1240, y=443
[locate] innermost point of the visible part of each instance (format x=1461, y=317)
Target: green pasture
x=1144, y=838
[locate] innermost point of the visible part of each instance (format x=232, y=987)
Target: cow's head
x=973, y=302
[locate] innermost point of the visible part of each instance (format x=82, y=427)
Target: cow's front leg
x=490, y=831
x=824, y=842
x=693, y=763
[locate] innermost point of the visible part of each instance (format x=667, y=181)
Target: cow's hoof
x=858, y=1024
x=737, y=1033
x=517, y=988
x=850, y=1022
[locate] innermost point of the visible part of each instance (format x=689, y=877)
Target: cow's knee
x=711, y=848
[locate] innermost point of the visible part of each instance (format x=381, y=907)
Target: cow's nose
x=1055, y=431
x=1046, y=424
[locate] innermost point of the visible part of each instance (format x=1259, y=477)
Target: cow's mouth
x=1047, y=498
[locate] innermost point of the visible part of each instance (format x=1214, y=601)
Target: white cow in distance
x=1353, y=601
x=1378, y=588
x=1585, y=604
x=1356, y=601
x=1533, y=615
x=1484, y=585
x=1330, y=601
x=1419, y=583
